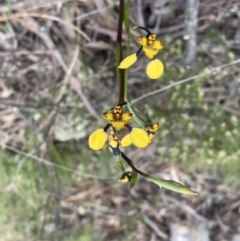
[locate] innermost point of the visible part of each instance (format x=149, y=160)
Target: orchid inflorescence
x=118, y=119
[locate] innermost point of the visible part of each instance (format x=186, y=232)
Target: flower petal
x=154, y=69
x=149, y=52
x=143, y=41
x=151, y=131
x=97, y=139
x=127, y=116
x=118, y=125
x=139, y=137
x=126, y=141
x=108, y=116
x=151, y=135
x=157, y=45
x=128, y=61
x=153, y=127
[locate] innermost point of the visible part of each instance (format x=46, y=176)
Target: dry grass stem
x=211, y=71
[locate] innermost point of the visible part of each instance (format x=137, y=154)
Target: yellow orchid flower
x=150, y=47
x=117, y=121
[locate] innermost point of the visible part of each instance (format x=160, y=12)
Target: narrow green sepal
x=172, y=185
x=134, y=178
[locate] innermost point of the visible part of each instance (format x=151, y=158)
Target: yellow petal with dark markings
x=108, y=116
x=157, y=45
x=127, y=116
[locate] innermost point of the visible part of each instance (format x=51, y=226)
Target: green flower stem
x=119, y=55
x=133, y=39
x=168, y=184
x=130, y=163
x=126, y=24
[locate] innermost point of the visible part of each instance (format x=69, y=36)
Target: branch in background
x=212, y=71
x=191, y=20
x=30, y=5
x=48, y=163
x=34, y=27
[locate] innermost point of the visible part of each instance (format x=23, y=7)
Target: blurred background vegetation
x=57, y=75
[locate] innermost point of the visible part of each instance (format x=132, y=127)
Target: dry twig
x=211, y=71
x=48, y=163
x=155, y=228
x=33, y=26
x=46, y=16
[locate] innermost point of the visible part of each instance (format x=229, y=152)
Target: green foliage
x=84, y=234
x=18, y=193
x=196, y=134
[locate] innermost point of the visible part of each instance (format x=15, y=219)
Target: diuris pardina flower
x=150, y=47
x=117, y=121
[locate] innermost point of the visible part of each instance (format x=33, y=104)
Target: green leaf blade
x=172, y=185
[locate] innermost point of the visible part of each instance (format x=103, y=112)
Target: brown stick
x=33, y=26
